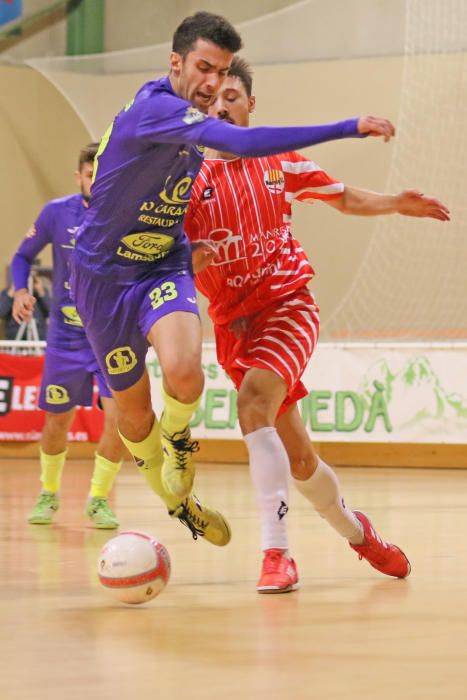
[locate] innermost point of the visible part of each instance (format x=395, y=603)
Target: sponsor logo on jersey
x=274, y=181
x=71, y=316
x=145, y=246
x=56, y=395
x=178, y=193
x=230, y=246
x=207, y=194
x=193, y=116
x=120, y=360
x=166, y=213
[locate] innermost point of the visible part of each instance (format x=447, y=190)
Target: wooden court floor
x=348, y=633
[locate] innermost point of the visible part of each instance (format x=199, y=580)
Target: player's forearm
x=365, y=203
x=20, y=271
x=268, y=140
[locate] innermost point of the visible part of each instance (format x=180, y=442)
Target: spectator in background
x=16, y=331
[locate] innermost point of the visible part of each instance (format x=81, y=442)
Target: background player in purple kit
x=70, y=366
x=132, y=273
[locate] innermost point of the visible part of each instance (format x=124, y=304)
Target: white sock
x=322, y=490
x=270, y=473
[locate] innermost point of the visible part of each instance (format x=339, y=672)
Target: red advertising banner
x=21, y=419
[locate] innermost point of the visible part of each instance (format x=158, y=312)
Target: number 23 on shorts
x=159, y=295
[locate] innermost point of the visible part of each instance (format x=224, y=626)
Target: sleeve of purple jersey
x=175, y=121
x=269, y=140
x=38, y=236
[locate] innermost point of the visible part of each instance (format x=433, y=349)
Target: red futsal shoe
x=279, y=574
x=383, y=556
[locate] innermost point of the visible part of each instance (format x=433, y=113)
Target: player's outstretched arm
x=376, y=126
x=408, y=203
x=268, y=140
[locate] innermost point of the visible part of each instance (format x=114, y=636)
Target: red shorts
x=280, y=338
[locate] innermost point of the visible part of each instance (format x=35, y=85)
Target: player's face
x=83, y=179
x=198, y=76
x=232, y=103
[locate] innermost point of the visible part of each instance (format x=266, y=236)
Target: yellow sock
x=176, y=415
x=149, y=457
x=103, y=476
x=51, y=470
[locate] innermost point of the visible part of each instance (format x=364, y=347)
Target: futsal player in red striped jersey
x=255, y=276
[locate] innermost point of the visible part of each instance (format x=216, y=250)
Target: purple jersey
x=57, y=224
x=143, y=174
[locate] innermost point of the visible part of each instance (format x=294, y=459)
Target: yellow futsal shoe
x=44, y=509
x=101, y=514
x=202, y=521
x=178, y=470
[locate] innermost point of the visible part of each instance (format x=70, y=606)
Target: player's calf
x=178, y=469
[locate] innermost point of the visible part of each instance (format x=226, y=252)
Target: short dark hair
x=87, y=154
x=242, y=70
x=205, y=25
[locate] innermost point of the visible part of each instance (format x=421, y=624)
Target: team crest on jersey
x=193, y=116
x=120, y=360
x=208, y=194
x=55, y=394
x=71, y=316
x=274, y=181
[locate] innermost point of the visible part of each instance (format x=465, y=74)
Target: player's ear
x=176, y=61
x=251, y=104
x=77, y=178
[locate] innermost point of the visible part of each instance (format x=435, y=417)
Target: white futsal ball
x=134, y=567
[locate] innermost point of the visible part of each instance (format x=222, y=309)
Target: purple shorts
x=68, y=380
x=118, y=318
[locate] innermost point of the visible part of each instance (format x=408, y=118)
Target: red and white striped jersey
x=244, y=206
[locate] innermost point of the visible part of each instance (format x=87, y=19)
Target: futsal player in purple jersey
x=132, y=274
x=70, y=365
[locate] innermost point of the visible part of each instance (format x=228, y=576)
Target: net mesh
x=411, y=283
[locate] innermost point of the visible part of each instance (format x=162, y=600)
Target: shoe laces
x=100, y=504
x=272, y=561
x=46, y=499
x=373, y=550
x=193, y=522
x=183, y=445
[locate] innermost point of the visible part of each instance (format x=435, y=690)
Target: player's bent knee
x=303, y=466
x=254, y=411
x=186, y=380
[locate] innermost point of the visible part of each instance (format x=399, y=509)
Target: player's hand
x=23, y=305
x=414, y=203
x=376, y=126
x=202, y=255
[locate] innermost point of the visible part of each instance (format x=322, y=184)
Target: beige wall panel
x=40, y=136
x=147, y=22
